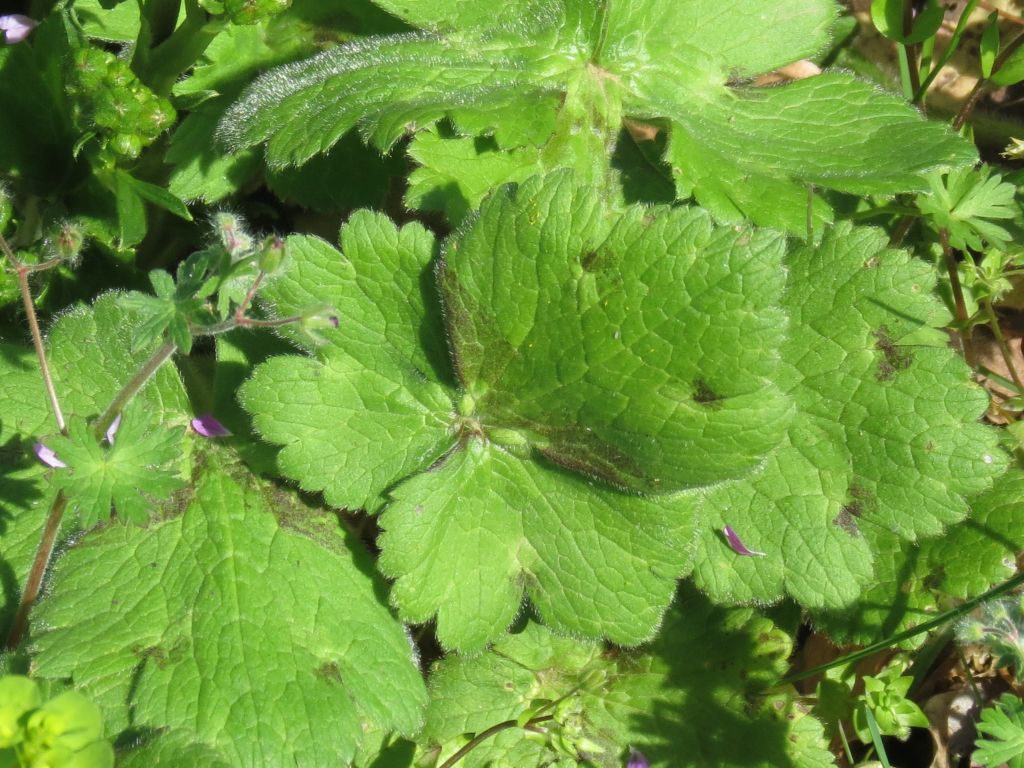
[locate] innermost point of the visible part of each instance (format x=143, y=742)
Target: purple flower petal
x=16, y=27
x=48, y=457
x=112, y=429
x=738, y=546
x=207, y=426
x=637, y=759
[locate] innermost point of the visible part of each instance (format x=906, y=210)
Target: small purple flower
x=16, y=27
x=48, y=457
x=112, y=429
x=738, y=546
x=637, y=759
x=207, y=426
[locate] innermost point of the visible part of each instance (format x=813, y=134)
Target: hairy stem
x=249, y=296
x=129, y=390
x=22, y=271
x=484, y=735
x=35, y=576
x=960, y=305
x=1004, y=348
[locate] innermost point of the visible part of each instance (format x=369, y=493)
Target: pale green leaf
x=754, y=155
x=370, y=410
x=132, y=475
x=464, y=540
x=886, y=435
x=591, y=335
x=973, y=207
x=89, y=351
x=564, y=75
x=201, y=170
x=249, y=628
x=912, y=584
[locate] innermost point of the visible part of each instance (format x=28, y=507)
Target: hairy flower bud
x=232, y=233
x=271, y=254
x=68, y=241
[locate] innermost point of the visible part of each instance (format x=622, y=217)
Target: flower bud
x=68, y=241
x=271, y=254
x=233, y=236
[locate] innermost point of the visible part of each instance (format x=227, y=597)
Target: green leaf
x=1003, y=729
x=132, y=474
x=974, y=207
x=90, y=360
x=131, y=212
x=351, y=175
x=888, y=16
x=260, y=639
x=114, y=20
x=456, y=174
x=886, y=435
x=591, y=335
x=380, y=411
x=656, y=700
x=35, y=129
x=911, y=584
x=565, y=74
x=989, y=47
x=156, y=195
x=202, y=171
x=632, y=348
x=839, y=133
x=464, y=539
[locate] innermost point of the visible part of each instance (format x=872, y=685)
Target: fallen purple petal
x=48, y=457
x=207, y=426
x=637, y=759
x=738, y=546
x=16, y=27
x=112, y=429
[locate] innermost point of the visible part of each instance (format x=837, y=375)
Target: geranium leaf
x=873, y=443
x=571, y=70
x=244, y=588
x=468, y=539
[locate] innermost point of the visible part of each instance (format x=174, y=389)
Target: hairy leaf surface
x=649, y=350
x=89, y=351
x=886, y=434
x=553, y=80
x=249, y=627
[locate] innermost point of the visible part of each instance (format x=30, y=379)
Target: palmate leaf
x=676, y=712
x=89, y=350
x=1003, y=729
x=635, y=348
x=248, y=629
x=130, y=475
x=553, y=79
x=886, y=434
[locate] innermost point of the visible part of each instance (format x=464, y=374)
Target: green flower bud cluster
x=244, y=12
x=109, y=99
x=64, y=732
